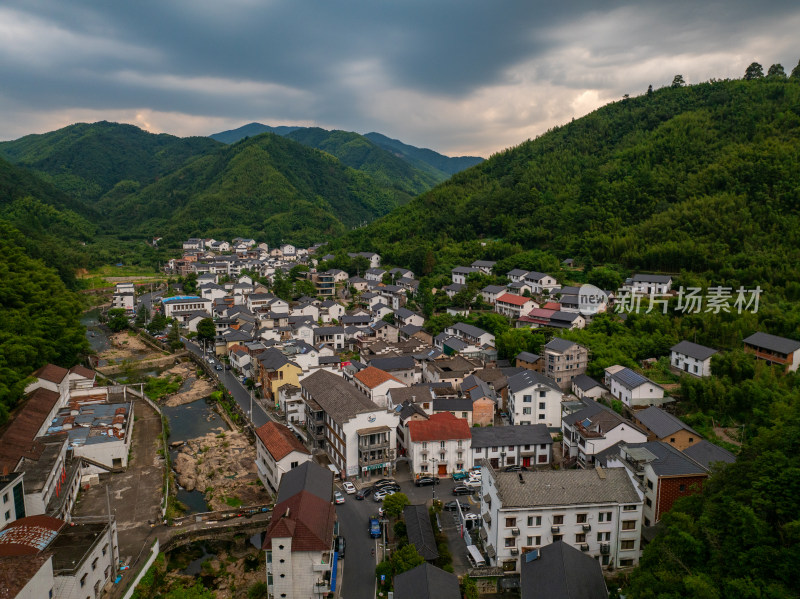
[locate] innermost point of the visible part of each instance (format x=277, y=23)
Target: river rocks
x=222, y=465
x=193, y=388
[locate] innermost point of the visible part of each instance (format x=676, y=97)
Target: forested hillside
x=40, y=318
x=358, y=152
x=86, y=160
x=423, y=158
x=268, y=187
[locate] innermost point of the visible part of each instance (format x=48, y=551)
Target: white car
x=471, y=516
x=338, y=497
x=380, y=495
x=473, y=483
x=349, y=488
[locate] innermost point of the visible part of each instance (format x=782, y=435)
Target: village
x=359, y=399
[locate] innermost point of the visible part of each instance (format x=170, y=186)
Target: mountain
x=86, y=160
x=422, y=157
x=702, y=178
x=436, y=166
x=268, y=187
x=250, y=130
x=358, y=152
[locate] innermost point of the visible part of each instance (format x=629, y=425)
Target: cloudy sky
x=458, y=76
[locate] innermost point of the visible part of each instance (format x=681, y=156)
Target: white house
x=175, y=305
x=358, y=435
x=376, y=383
x=518, y=445
x=277, y=452
x=534, y=399
x=691, y=358
x=596, y=511
x=633, y=389
x=540, y=282
x=485, y=266
x=439, y=445
x=471, y=334
x=460, y=273
x=649, y=284
x=514, y=306
x=490, y=293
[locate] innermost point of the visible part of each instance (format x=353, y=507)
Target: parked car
x=452, y=506
x=374, y=528
x=383, y=483
x=459, y=475
x=339, y=546
x=463, y=490
x=349, y=488
x=338, y=497
x=364, y=492
x=218, y=367
x=395, y=487
x=473, y=483
x=381, y=495
x=471, y=516
x=424, y=481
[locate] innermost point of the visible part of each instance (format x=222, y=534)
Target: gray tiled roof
x=495, y=436
x=308, y=476
x=564, y=572
x=420, y=531
x=557, y=344
x=527, y=356
x=426, y=582
x=693, y=350
x=528, y=378
x=592, y=408
x=773, y=342
x=662, y=423
x=452, y=405
x=272, y=359
x=468, y=329
x=565, y=487
x=669, y=461
x=339, y=399
x=585, y=382
x=704, y=453
x=647, y=278
x=389, y=364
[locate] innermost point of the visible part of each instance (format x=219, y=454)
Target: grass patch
x=233, y=501
x=158, y=387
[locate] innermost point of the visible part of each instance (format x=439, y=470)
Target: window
x=558, y=520
x=625, y=563
x=424, y=445
x=511, y=541
x=627, y=545
x=8, y=515
x=441, y=457
x=511, y=522
x=629, y=508
x=424, y=456
x=542, y=405
x=604, y=517
x=5, y=498
x=463, y=415
x=542, y=393
x=459, y=455
x=527, y=447
x=603, y=536
x=295, y=464
x=83, y=579
x=681, y=488
x=526, y=399
x=541, y=416
x=649, y=484
x=580, y=537
x=529, y=541
x=647, y=521
x=460, y=442
x=580, y=518
x=557, y=538
x=691, y=439
x=629, y=525
x=534, y=520
x=494, y=449
x=672, y=440
x=649, y=502
x=441, y=444
x=526, y=411
x=94, y=563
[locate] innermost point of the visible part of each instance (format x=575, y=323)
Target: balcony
x=371, y=461
x=324, y=565
x=366, y=445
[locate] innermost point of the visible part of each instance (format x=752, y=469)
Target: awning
x=483, y=535
x=490, y=551
x=487, y=518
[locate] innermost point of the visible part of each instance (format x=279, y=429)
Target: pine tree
x=678, y=81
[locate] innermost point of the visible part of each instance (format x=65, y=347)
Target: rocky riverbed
x=221, y=465
x=193, y=387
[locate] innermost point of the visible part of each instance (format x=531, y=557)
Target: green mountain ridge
x=250, y=130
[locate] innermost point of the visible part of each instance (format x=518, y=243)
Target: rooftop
x=630, y=379
x=693, y=350
x=279, y=441
x=707, y=454
x=529, y=378
x=662, y=423
x=426, y=582
x=372, y=377
x=560, y=570
x=516, y=300
x=51, y=373
x=29, y=536
x=439, y=427
x=18, y=440
x=663, y=458
x=557, y=344
x=495, y=436
x=339, y=399
x=419, y=531
x=564, y=487
x=773, y=342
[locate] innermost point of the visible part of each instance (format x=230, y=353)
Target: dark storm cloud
x=450, y=74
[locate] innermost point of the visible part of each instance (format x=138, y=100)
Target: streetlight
x=435, y=478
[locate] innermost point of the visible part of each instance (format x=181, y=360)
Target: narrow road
x=241, y=395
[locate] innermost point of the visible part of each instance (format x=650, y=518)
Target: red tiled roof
x=510, y=298
x=29, y=536
x=18, y=439
x=439, y=427
x=82, y=371
x=552, y=306
x=279, y=440
x=17, y=571
x=52, y=373
x=307, y=519
x=372, y=377
x=236, y=347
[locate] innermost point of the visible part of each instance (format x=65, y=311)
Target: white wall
x=698, y=368
x=433, y=450
x=42, y=584
x=550, y=414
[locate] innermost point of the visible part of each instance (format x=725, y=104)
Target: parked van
x=474, y=556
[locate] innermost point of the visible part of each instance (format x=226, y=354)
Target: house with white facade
x=519, y=445
x=470, y=334
x=599, y=512
x=540, y=282
x=534, y=399
x=633, y=389
x=460, y=273
x=357, y=434
x=375, y=384
x=174, y=306
x=691, y=358
x=584, y=386
x=490, y=293
x=439, y=445
x=514, y=306
x=648, y=284
x=277, y=452
x=300, y=536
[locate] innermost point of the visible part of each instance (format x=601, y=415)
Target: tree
x=754, y=71
x=393, y=505
x=141, y=316
x=258, y=590
x=678, y=81
x=796, y=71
x=649, y=90
x=405, y=559
x=190, y=283
x=117, y=319
x=206, y=330
x=174, y=336
x=388, y=318
x=776, y=72
x=158, y=323
x=605, y=278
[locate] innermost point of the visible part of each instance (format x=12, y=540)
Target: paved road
x=240, y=394
x=362, y=552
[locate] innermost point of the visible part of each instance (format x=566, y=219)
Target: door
x=442, y=469
x=493, y=462
x=526, y=461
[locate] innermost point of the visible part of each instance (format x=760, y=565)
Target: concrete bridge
x=172, y=537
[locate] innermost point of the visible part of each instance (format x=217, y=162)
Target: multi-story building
x=274, y=371
x=439, y=445
x=633, y=389
x=534, y=399
x=691, y=358
x=664, y=474
x=514, y=306
x=648, y=284
x=659, y=425
x=564, y=360
x=358, y=435
x=596, y=511
x=277, y=452
x=375, y=384
x=504, y=446
x=774, y=349
x=299, y=542
x=325, y=283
